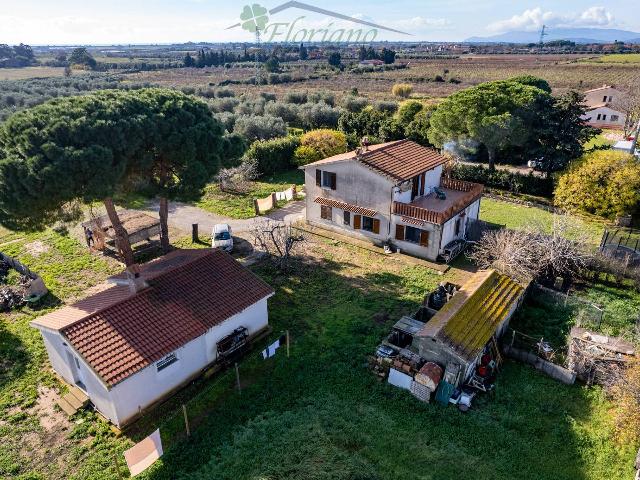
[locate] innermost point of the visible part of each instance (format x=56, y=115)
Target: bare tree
x=279, y=240
x=629, y=104
x=532, y=253
x=237, y=179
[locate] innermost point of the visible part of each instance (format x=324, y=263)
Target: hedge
x=529, y=184
x=274, y=155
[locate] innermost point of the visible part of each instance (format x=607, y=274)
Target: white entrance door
x=76, y=370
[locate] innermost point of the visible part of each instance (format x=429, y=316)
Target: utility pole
x=257, y=63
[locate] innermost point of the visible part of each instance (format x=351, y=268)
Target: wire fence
x=622, y=244
x=584, y=313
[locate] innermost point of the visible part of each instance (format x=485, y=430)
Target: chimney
x=134, y=279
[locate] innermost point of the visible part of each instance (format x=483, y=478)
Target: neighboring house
x=139, y=337
x=601, y=108
x=460, y=332
x=625, y=146
x=386, y=194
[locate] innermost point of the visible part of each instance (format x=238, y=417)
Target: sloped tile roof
x=400, y=160
x=192, y=293
x=367, y=212
x=468, y=321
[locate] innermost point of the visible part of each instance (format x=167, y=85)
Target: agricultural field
x=563, y=72
x=30, y=72
x=627, y=58
x=316, y=415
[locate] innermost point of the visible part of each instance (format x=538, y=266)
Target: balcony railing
x=472, y=191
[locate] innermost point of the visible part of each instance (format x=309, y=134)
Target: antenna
x=258, y=67
x=543, y=33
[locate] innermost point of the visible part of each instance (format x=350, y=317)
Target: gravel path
x=182, y=216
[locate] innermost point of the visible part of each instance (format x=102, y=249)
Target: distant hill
x=578, y=35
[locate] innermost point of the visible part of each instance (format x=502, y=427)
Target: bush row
x=529, y=184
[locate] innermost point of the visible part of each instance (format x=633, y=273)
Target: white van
x=221, y=237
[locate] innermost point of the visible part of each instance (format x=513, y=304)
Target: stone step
x=66, y=407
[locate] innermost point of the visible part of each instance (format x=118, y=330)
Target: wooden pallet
x=73, y=401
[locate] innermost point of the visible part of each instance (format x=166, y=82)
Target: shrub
x=254, y=127
x=354, y=104
x=318, y=144
x=275, y=155
x=225, y=93
x=296, y=97
x=251, y=107
x=223, y=104
x=408, y=111
x=505, y=180
x=228, y=120
x=268, y=97
x=318, y=115
x=322, y=96
x=304, y=155
x=386, y=107
x=402, y=90
x=604, y=183
x=287, y=111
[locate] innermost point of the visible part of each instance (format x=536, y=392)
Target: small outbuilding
x=465, y=328
x=144, y=334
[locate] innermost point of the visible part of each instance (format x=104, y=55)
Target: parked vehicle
x=221, y=237
x=452, y=250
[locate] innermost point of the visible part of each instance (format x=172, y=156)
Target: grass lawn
x=319, y=414
x=516, y=216
x=599, y=140
x=240, y=205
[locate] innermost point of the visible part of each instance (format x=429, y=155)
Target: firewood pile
x=598, y=359
x=12, y=296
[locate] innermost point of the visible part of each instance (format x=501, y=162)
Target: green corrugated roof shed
x=473, y=315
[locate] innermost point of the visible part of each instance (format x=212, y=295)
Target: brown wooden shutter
x=399, y=232
x=333, y=181
x=376, y=225
x=422, y=182
x=424, y=238
x=414, y=187
x=357, y=222
x=318, y=178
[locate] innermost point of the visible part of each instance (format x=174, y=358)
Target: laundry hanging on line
x=270, y=351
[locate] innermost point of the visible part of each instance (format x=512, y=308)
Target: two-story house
x=602, y=107
x=391, y=193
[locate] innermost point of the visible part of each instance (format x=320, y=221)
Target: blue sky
x=166, y=21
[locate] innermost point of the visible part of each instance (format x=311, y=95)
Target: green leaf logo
x=254, y=17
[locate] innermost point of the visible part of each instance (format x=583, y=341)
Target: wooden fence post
x=194, y=233
x=287, y=343
x=186, y=419
x=255, y=206
x=238, y=378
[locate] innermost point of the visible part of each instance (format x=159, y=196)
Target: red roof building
x=136, y=338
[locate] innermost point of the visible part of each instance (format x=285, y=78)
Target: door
x=76, y=370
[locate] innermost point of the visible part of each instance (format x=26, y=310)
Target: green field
x=517, y=216
x=240, y=205
x=319, y=414
x=630, y=58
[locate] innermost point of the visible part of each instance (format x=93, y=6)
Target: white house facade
x=129, y=349
x=392, y=193
x=602, y=110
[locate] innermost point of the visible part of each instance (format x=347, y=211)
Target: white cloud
x=533, y=19
x=421, y=23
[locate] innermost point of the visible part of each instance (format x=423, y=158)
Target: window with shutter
x=346, y=218
x=326, y=213
x=424, y=238
x=423, y=179
x=357, y=222
x=333, y=179
x=399, y=232
x=318, y=177
x=376, y=225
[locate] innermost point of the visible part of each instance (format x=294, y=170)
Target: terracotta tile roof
x=189, y=292
x=468, y=321
x=108, y=293
x=345, y=206
x=399, y=160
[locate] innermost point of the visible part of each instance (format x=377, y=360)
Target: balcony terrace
x=430, y=209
